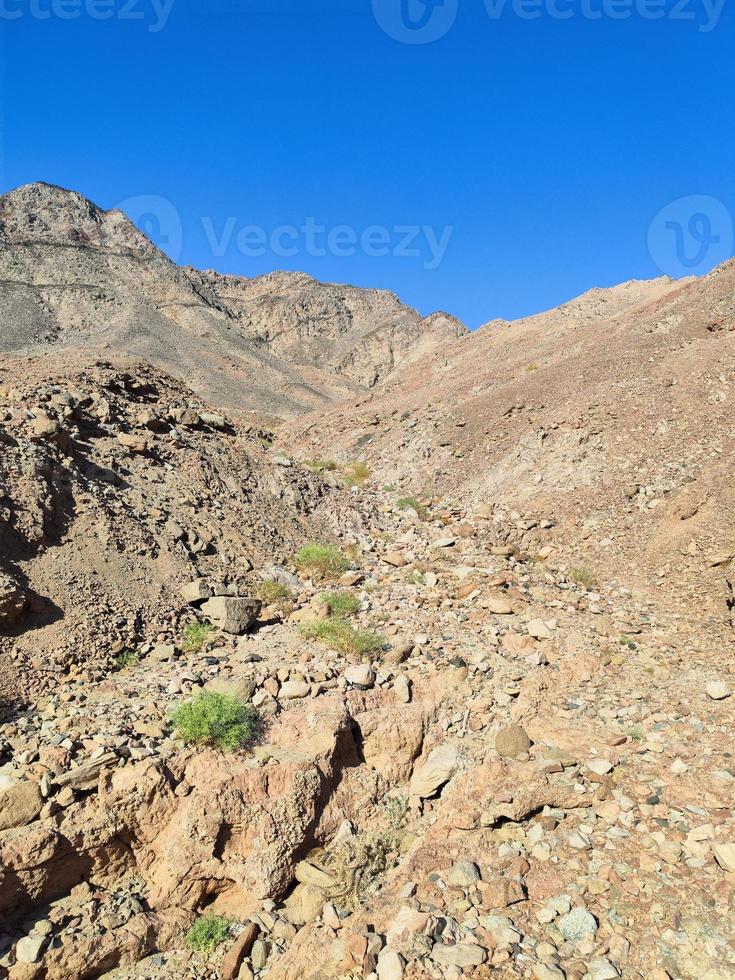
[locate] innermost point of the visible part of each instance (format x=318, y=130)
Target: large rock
x=13, y=602
x=233, y=614
x=19, y=805
x=432, y=774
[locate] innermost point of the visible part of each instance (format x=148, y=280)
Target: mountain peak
x=46, y=214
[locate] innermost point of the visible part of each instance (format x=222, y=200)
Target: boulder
x=232, y=614
x=432, y=774
x=19, y=804
x=196, y=591
x=133, y=443
x=512, y=741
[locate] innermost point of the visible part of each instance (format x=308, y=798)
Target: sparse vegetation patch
x=275, y=593
x=341, y=603
x=126, y=658
x=340, y=636
x=212, y=718
x=207, y=933
x=321, y=560
x=195, y=636
x=356, y=474
x=583, y=576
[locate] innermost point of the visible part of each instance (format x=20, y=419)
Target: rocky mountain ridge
x=75, y=277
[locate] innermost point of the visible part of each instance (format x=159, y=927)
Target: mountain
x=73, y=276
x=432, y=680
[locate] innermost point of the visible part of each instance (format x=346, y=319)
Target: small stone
x=538, y=629
x=601, y=969
x=499, y=606
x=718, y=690
x=394, y=558
x=512, y=741
x=28, y=949
x=390, y=965
x=233, y=614
x=460, y=955
x=294, y=690
x=360, y=676
x=19, y=805
x=599, y=767
x=402, y=689
x=464, y=873
x=133, y=443
x=438, y=768
x=725, y=856
x=577, y=924
x=259, y=954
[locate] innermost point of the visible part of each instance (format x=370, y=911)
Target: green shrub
x=274, y=593
x=195, y=636
x=207, y=933
x=340, y=636
x=341, y=604
x=582, y=576
x=388, y=488
x=321, y=560
x=212, y=718
x=356, y=474
x=126, y=658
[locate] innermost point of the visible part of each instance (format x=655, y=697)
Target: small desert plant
x=356, y=474
x=635, y=733
x=340, y=636
x=388, y=488
x=212, y=718
x=321, y=465
x=274, y=593
x=416, y=577
x=207, y=933
x=341, y=604
x=126, y=658
x=582, y=576
x=411, y=503
x=195, y=636
x=395, y=808
x=321, y=560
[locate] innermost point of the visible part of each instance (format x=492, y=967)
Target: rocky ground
x=532, y=778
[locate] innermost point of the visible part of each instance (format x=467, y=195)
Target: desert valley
x=342, y=642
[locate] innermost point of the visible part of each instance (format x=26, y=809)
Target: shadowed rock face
x=75, y=276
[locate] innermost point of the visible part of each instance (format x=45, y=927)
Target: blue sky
x=496, y=170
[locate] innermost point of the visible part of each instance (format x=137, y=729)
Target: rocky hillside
x=436, y=682
x=610, y=419
x=75, y=277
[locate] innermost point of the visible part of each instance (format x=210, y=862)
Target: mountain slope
x=73, y=276
x=610, y=416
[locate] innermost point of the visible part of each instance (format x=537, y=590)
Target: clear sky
x=481, y=158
